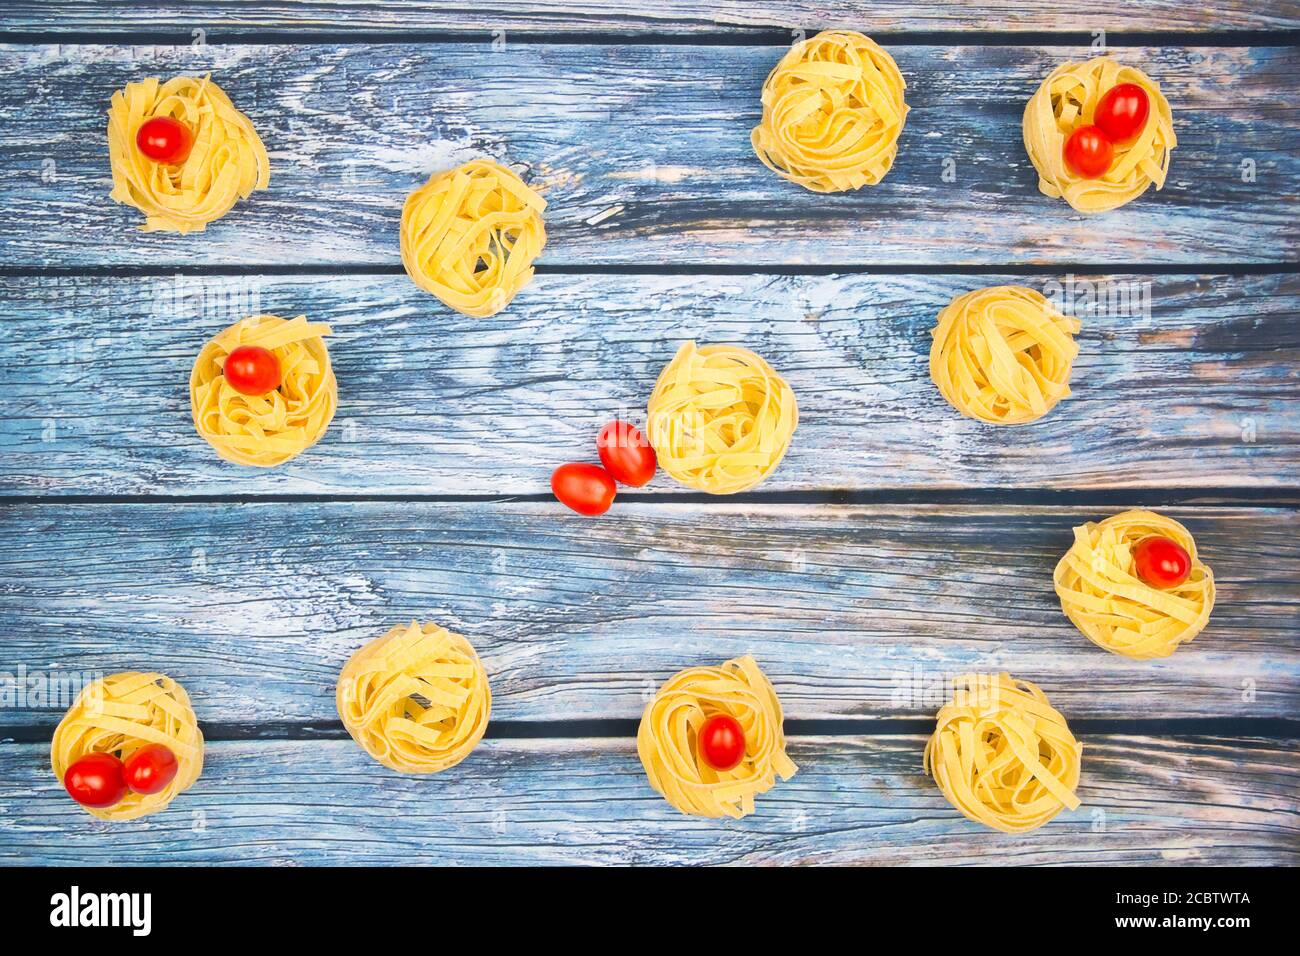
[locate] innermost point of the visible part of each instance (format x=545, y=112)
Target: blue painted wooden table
x=898, y=545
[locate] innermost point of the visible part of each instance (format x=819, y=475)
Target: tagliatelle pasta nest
x=1102, y=595
x=1002, y=755
x=120, y=714
x=720, y=418
x=227, y=161
x=666, y=740
x=416, y=699
x=832, y=113
x=1067, y=100
x=266, y=430
x=470, y=236
x=1003, y=355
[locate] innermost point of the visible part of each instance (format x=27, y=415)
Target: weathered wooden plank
x=852, y=611
x=854, y=801
x=221, y=18
x=1202, y=391
x=643, y=153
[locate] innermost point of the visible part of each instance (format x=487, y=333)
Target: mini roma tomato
x=626, y=454
x=722, y=742
x=587, y=489
x=165, y=140
x=150, y=769
x=1089, y=152
x=1161, y=563
x=95, y=780
x=252, y=370
x=1122, y=111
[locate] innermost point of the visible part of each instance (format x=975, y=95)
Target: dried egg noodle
x=720, y=418
x=832, y=113
x=226, y=163
x=666, y=739
x=416, y=699
x=1002, y=755
x=1102, y=595
x=266, y=430
x=1067, y=100
x=470, y=235
x=1003, y=355
x=119, y=715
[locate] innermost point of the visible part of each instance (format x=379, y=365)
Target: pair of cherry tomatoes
x=165, y=140
x=1119, y=117
x=721, y=742
x=627, y=459
x=252, y=370
x=1161, y=562
x=101, y=780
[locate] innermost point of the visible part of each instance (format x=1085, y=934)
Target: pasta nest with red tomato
x=266, y=430
x=225, y=164
x=1066, y=101
x=1002, y=755
x=1003, y=355
x=1102, y=594
x=667, y=739
x=416, y=699
x=120, y=714
x=720, y=418
x=470, y=236
x=833, y=110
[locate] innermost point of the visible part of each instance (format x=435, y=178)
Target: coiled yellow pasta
x=832, y=113
x=119, y=715
x=1003, y=355
x=470, y=236
x=720, y=418
x=667, y=745
x=1067, y=100
x=1102, y=595
x=226, y=163
x=266, y=430
x=1002, y=755
x=416, y=699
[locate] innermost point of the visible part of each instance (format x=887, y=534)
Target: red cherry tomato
x=95, y=780
x=1089, y=152
x=1161, y=563
x=626, y=454
x=587, y=489
x=1122, y=112
x=722, y=742
x=252, y=370
x=150, y=769
x=165, y=140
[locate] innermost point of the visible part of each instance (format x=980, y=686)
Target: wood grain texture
x=852, y=611
x=222, y=18
x=643, y=153
x=856, y=800
x=94, y=371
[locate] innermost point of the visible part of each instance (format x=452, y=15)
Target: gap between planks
x=1230, y=730
x=776, y=38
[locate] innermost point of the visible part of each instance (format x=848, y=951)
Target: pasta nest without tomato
x=416, y=699
x=470, y=236
x=1102, y=595
x=226, y=163
x=1003, y=355
x=1067, y=100
x=720, y=418
x=120, y=714
x=667, y=739
x=1002, y=755
x=266, y=430
x=832, y=113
